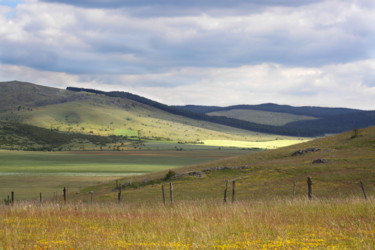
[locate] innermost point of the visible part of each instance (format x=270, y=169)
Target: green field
x=28, y=173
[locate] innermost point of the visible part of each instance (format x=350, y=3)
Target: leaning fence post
x=119, y=195
x=363, y=190
x=91, y=195
x=309, y=188
x=163, y=193
x=294, y=190
x=226, y=191
x=233, y=191
x=64, y=194
x=171, y=191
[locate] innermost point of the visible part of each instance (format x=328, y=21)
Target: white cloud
x=342, y=85
x=316, y=54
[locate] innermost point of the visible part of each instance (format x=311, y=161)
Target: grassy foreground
x=336, y=224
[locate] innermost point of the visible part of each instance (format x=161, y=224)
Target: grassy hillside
x=348, y=157
x=339, y=123
x=319, y=119
x=23, y=96
x=262, y=117
x=231, y=122
x=320, y=112
x=17, y=136
x=97, y=114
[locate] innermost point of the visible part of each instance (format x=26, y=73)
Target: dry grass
x=336, y=224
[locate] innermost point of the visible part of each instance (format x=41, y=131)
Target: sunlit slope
x=261, y=117
x=98, y=114
x=348, y=158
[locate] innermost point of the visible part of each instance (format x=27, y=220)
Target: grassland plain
x=276, y=224
x=28, y=173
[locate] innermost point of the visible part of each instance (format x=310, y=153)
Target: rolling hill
x=227, y=121
x=336, y=165
x=324, y=120
x=339, y=123
x=88, y=111
x=99, y=114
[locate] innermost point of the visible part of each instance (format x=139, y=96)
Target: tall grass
x=336, y=224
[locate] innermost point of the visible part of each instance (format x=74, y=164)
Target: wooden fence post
x=171, y=191
x=64, y=194
x=233, y=191
x=119, y=195
x=163, y=193
x=363, y=190
x=91, y=195
x=12, y=198
x=309, y=188
x=294, y=190
x=226, y=191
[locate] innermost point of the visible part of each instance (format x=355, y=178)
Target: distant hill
x=117, y=113
x=318, y=112
x=325, y=120
x=97, y=112
x=236, y=123
x=338, y=123
x=18, y=95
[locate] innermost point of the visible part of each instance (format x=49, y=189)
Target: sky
x=203, y=52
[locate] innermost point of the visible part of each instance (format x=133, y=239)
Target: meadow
x=277, y=224
x=29, y=173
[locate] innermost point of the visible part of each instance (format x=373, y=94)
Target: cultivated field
x=277, y=224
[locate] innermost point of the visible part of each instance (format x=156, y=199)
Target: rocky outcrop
x=305, y=151
x=320, y=161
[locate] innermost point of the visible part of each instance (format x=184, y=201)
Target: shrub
x=169, y=175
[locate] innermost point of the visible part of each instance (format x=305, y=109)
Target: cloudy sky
x=208, y=52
